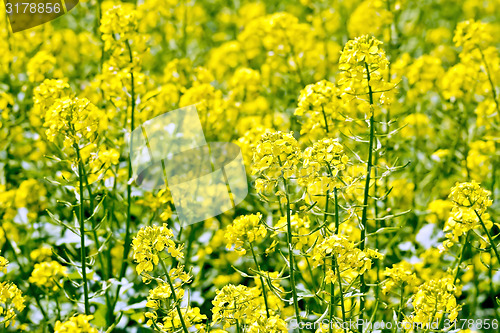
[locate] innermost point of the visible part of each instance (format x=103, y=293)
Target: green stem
x=339, y=278
x=189, y=247
x=290, y=257
x=174, y=296
x=461, y=257
x=83, y=255
x=492, y=85
x=401, y=297
x=325, y=216
x=105, y=272
x=326, y=121
x=126, y=244
x=341, y=293
x=364, y=218
x=492, y=244
x=332, y=299
x=457, y=269
x=337, y=223
x=264, y=292
x=489, y=236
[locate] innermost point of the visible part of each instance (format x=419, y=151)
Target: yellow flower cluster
x=275, y=155
x=119, y=21
x=11, y=298
x=192, y=318
x=278, y=33
x=400, y=274
x=245, y=228
x=76, y=324
x=473, y=34
x=479, y=160
x=248, y=142
x=470, y=202
x=3, y=264
x=11, y=301
x=434, y=299
x=234, y=304
x=371, y=16
x=211, y=107
x=41, y=254
x=273, y=324
x=245, y=84
x=77, y=120
x=417, y=125
x=119, y=28
x=163, y=302
x=326, y=152
x=423, y=75
x=149, y=242
x=350, y=259
x=363, y=63
x=301, y=228
x=48, y=274
x=320, y=109
x=470, y=196
x=44, y=96
x=40, y=65
x=158, y=202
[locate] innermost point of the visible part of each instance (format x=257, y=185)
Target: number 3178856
x=33, y=8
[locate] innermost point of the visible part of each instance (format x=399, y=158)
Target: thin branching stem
x=264, y=292
x=83, y=255
x=174, y=296
x=364, y=215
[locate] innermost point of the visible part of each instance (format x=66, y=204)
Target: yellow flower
x=40, y=65
x=211, y=108
x=3, y=264
x=245, y=228
x=326, y=152
x=370, y=16
x=249, y=141
x=44, y=96
x=245, y=84
x=48, y=274
x=273, y=324
x=319, y=106
x=422, y=75
x=149, y=243
x=157, y=294
x=479, y=160
x=350, y=259
x=118, y=21
x=440, y=210
x=41, y=254
x=236, y=303
x=25, y=197
x=473, y=34
x=400, y=274
x=434, y=299
x=11, y=301
x=471, y=195
x=363, y=64
x=417, y=125
x=301, y=226
x=191, y=315
x=77, y=120
x=76, y=324
x=276, y=155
